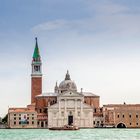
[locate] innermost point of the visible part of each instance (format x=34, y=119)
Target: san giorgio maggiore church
x=67, y=106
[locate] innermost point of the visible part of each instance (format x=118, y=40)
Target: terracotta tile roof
x=122, y=105
x=48, y=94
x=16, y=110
x=89, y=94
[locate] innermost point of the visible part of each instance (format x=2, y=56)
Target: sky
x=97, y=41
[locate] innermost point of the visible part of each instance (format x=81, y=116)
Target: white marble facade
x=70, y=109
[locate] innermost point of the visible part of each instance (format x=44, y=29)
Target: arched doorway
x=42, y=124
x=121, y=125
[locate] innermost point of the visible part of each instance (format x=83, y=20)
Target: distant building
x=2, y=125
x=122, y=115
x=22, y=118
x=68, y=106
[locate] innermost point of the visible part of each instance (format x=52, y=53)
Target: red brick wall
x=43, y=102
x=92, y=101
x=36, y=87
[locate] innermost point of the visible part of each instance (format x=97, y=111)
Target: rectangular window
x=94, y=122
x=19, y=122
x=32, y=118
x=32, y=122
x=14, y=123
x=137, y=116
x=129, y=115
x=14, y=118
x=123, y=116
x=101, y=110
x=46, y=110
x=130, y=123
x=62, y=114
x=118, y=115
x=78, y=113
x=14, y=114
x=19, y=118
x=137, y=123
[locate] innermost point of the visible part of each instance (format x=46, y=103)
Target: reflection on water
x=83, y=134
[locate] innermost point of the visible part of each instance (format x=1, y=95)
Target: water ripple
x=83, y=134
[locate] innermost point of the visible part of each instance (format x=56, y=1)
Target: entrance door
x=42, y=124
x=70, y=120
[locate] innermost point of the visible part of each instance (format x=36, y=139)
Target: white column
x=65, y=107
x=44, y=124
x=81, y=108
x=59, y=109
x=75, y=108
x=40, y=124
x=59, y=118
x=81, y=114
x=75, y=118
x=65, y=112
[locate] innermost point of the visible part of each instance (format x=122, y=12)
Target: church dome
x=67, y=84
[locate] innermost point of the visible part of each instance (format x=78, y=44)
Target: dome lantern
x=67, y=76
x=67, y=84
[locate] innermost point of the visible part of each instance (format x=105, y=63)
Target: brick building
x=48, y=109
x=122, y=115
x=66, y=105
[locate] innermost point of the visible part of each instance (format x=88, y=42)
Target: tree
x=5, y=118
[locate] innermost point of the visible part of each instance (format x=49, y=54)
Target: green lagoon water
x=83, y=134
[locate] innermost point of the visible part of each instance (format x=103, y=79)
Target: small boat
x=65, y=127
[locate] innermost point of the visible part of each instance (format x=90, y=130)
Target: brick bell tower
x=36, y=76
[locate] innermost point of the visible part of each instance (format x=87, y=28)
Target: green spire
x=36, y=54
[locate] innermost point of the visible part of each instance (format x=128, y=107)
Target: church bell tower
x=36, y=76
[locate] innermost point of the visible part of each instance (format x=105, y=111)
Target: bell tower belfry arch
x=36, y=75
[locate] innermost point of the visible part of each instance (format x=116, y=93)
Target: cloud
x=107, y=19
x=50, y=25
x=104, y=26
x=81, y=43
x=106, y=7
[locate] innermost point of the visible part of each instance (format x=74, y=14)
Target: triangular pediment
x=71, y=94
